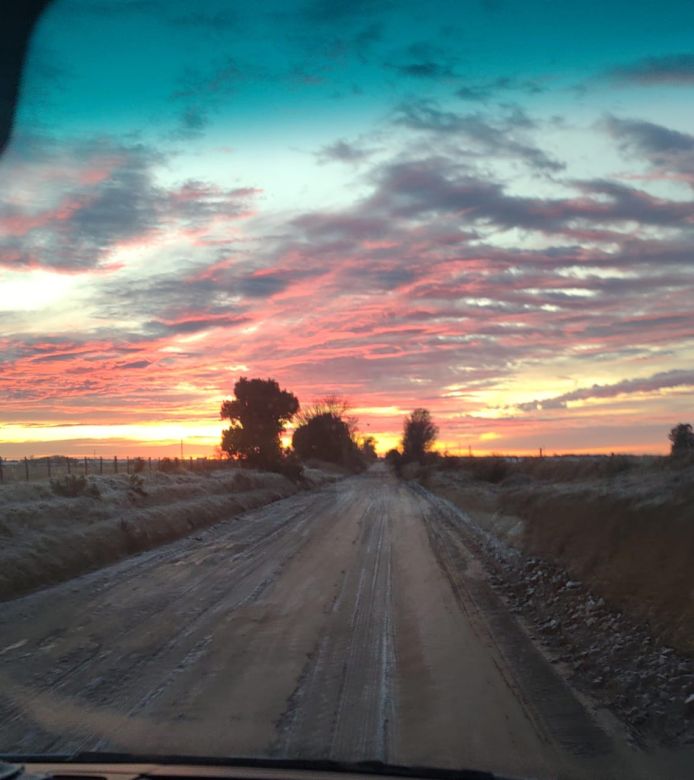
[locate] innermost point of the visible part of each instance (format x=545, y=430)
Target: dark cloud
x=194, y=324
x=669, y=151
x=192, y=123
x=362, y=42
x=217, y=81
x=317, y=226
x=663, y=380
x=343, y=151
x=136, y=364
x=435, y=185
x=197, y=202
x=486, y=90
x=110, y=198
x=91, y=216
x=485, y=137
x=424, y=70
x=675, y=69
x=423, y=61
x=264, y=286
x=122, y=208
x=648, y=137
x=57, y=358
x=182, y=294
x=473, y=93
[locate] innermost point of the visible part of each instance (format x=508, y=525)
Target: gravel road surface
x=352, y=622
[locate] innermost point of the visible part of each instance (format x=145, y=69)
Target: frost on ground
x=47, y=538
x=599, y=567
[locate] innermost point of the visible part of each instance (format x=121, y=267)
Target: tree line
x=326, y=431
x=260, y=411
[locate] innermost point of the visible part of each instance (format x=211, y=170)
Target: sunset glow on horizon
x=403, y=205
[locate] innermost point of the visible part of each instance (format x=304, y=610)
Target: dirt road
x=352, y=622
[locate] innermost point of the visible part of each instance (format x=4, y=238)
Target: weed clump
x=73, y=486
x=167, y=465
x=136, y=484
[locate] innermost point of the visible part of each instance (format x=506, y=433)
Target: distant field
x=58, y=466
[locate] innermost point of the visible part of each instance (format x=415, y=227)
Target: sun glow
x=154, y=432
x=34, y=290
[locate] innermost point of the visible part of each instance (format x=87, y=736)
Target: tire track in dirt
x=343, y=703
x=354, y=623
x=139, y=621
x=553, y=706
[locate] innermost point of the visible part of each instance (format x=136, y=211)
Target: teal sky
x=481, y=207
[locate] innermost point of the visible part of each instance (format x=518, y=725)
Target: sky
x=483, y=208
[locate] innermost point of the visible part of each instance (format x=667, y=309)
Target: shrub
x=290, y=466
x=138, y=465
x=394, y=459
x=487, y=469
x=167, y=465
x=326, y=437
x=136, y=484
x=74, y=485
x=326, y=433
x=682, y=440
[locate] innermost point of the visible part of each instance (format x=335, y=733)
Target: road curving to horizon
x=353, y=622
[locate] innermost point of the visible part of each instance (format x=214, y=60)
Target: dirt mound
x=631, y=541
x=629, y=536
x=600, y=572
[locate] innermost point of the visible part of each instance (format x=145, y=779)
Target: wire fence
x=60, y=466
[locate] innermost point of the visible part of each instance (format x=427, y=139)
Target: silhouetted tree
x=331, y=404
x=394, y=459
x=367, y=446
x=258, y=415
x=682, y=439
x=418, y=435
x=326, y=437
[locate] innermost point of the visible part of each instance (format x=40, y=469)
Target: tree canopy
x=330, y=404
x=682, y=439
x=258, y=414
x=367, y=447
x=419, y=433
x=325, y=436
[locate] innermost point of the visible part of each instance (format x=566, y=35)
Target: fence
x=58, y=466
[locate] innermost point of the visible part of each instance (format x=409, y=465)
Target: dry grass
x=48, y=534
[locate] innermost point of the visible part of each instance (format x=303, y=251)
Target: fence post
x=2, y=475
x=150, y=464
x=115, y=464
x=191, y=462
x=67, y=460
x=26, y=467
x=48, y=461
x=127, y=464
x=101, y=465
x=85, y=465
